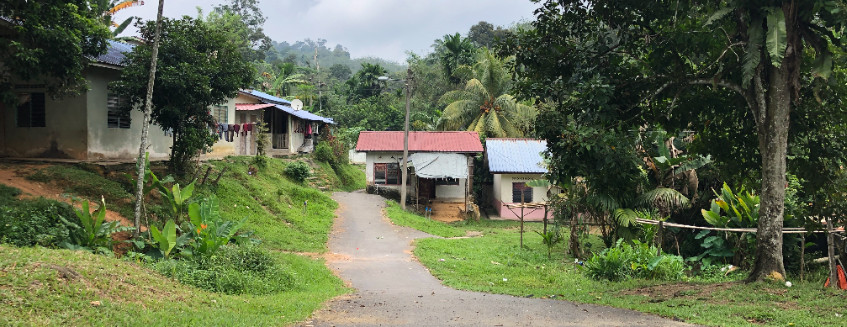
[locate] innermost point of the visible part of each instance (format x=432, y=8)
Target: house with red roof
x=441, y=163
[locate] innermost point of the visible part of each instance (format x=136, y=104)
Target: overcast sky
x=378, y=28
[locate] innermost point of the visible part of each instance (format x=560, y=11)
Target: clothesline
x=785, y=230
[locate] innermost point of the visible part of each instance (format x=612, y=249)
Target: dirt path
x=393, y=289
x=14, y=176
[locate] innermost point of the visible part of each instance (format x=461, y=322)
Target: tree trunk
x=145, y=122
x=773, y=141
x=830, y=251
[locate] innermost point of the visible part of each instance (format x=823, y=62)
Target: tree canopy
x=634, y=64
x=49, y=42
x=198, y=67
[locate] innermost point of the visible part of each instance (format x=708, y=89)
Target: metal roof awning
x=252, y=106
x=439, y=165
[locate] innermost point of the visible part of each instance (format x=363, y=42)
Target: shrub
x=34, y=222
x=624, y=261
x=298, y=171
x=233, y=270
x=323, y=152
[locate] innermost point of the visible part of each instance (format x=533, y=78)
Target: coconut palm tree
x=111, y=7
x=286, y=78
x=484, y=105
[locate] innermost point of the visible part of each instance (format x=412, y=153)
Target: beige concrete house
x=290, y=131
x=84, y=127
x=91, y=127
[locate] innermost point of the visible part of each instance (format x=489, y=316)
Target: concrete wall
x=64, y=136
x=357, y=157
x=117, y=143
x=503, y=195
x=446, y=192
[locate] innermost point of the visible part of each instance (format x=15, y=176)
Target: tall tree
x=644, y=56
x=48, y=42
x=484, y=105
x=365, y=83
x=253, y=19
x=141, y=161
x=111, y=7
x=198, y=67
x=453, y=52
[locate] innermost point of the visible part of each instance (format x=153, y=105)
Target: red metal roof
x=253, y=106
x=420, y=141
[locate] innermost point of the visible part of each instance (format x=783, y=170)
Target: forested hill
x=302, y=53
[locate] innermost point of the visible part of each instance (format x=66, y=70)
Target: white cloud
x=377, y=28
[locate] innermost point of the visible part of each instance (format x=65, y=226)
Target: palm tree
x=113, y=7
x=286, y=78
x=454, y=51
x=484, y=106
x=145, y=122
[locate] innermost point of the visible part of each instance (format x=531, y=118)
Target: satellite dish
x=296, y=104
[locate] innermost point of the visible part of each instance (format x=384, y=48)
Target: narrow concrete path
x=393, y=289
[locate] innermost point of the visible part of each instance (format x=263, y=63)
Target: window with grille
x=387, y=173
x=521, y=193
x=116, y=117
x=31, y=110
x=221, y=114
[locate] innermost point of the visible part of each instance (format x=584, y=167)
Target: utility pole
x=405, y=141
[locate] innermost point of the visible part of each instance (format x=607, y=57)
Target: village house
x=441, y=162
x=513, y=163
x=91, y=126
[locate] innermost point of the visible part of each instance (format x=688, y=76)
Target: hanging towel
x=308, y=129
x=231, y=133
x=244, y=129
x=220, y=130
x=248, y=127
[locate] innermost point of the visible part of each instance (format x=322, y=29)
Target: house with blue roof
x=89, y=126
x=513, y=162
x=92, y=127
x=291, y=130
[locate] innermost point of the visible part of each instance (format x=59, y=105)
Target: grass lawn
x=40, y=286
x=495, y=263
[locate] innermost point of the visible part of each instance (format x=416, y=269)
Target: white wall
x=357, y=157
x=117, y=143
x=503, y=187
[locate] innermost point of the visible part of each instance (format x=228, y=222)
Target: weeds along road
x=393, y=289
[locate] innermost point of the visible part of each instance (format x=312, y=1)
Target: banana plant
x=742, y=209
x=210, y=231
x=177, y=198
x=166, y=239
x=93, y=232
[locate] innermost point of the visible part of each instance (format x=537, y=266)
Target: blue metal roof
x=305, y=115
x=115, y=53
x=518, y=156
x=267, y=97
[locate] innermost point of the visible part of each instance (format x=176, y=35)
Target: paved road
x=393, y=289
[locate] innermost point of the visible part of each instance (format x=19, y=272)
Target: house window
x=520, y=189
x=221, y=114
x=447, y=181
x=31, y=110
x=116, y=116
x=387, y=173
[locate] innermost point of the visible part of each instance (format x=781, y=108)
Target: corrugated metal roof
x=253, y=106
x=115, y=53
x=283, y=105
x=267, y=97
x=515, y=155
x=420, y=141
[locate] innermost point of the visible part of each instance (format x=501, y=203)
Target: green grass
x=42, y=287
x=398, y=216
x=33, y=293
x=81, y=181
x=273, y=205
x=495, y=263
